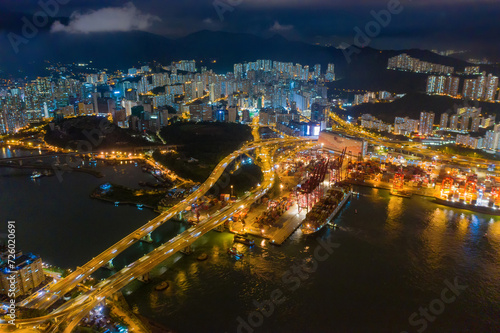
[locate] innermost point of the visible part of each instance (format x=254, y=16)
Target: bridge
x=49, y=295
x=76, y=153
x=411, y=148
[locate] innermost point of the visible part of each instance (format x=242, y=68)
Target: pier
x=290, y=221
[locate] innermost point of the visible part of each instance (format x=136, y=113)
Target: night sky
x=440, y=24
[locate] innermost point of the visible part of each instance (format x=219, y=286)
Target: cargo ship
x=490, y=210
x=326, y=209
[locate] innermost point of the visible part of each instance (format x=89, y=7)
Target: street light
x=231, y=190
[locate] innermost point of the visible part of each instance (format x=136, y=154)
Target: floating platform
x=401, y=194
x=291, y=221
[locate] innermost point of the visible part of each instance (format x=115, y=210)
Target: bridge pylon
x=144, y=278
x=187, y=250
x=147, y=238
x=220, y=228
x=110, y=265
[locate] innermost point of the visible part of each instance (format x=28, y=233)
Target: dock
x=289, y=222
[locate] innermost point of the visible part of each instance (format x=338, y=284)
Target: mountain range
x=216, y=50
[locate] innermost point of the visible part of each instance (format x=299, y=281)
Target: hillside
x=216, y=50
x=82, y=133
x=412, y=104
x=201, y=146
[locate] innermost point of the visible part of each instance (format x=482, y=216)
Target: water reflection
x=395, y=256
x=395, y=210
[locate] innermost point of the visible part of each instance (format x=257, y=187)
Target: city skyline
x=249, y=166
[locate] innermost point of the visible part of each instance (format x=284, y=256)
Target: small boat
x=234, y=252
x=244, y=240
x=35, y=175
x=162, y=286
x=202, y=257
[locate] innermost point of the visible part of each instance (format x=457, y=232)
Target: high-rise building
x=330, y=72
x=488, y=121
x=492, y=138
x=317, y=70
x=443, y=122
x=484, y=87
x=238, y=71
x=471, y=70
x=405, y=125
x=407, y=63
x=447, y=85
x=185, y=65
x=469, y=111
x=469, y=141
x=464, y=123
x=232, y=114
x=27, y=271
x=426, y=122
x=383, y=95
x=358, y=99
x=454, y=122
x=440, y=85
x=481, y=87
x=476, y=121
x=431, y=84
x=469, y=90
x=491, y=88
x=451, y=85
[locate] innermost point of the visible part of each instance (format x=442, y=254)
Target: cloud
x=277, y=27
x=126, y=18
x=208, y=20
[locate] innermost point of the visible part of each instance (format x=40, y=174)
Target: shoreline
x=96, y=174
x=464, y=206
x=129, y=203
x=457, y=205
x=387, y=187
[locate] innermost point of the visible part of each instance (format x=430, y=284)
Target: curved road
x=44, y=298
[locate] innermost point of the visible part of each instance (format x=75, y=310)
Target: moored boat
x=234, y=252
x=244, y=240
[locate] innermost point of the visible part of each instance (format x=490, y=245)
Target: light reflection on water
x=394, y=256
